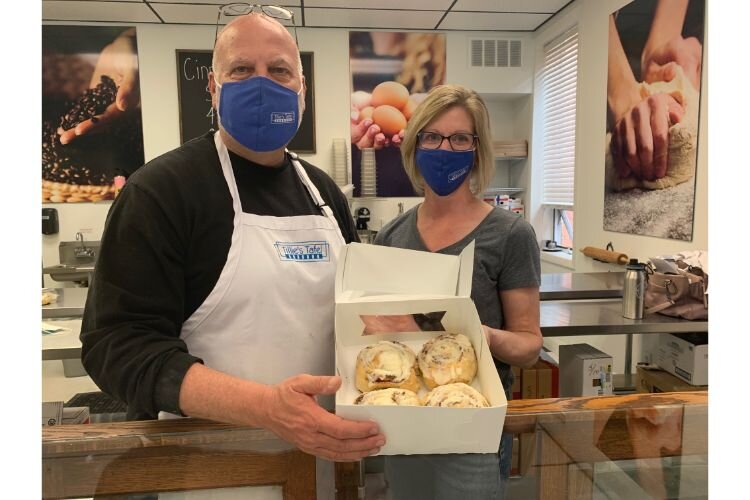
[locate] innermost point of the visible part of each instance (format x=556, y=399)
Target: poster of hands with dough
x=654, y=66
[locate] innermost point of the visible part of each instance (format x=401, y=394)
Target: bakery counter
x=69, y=304
x=64, y=344
x=636, y=446
x=604, y=317
x=575, y=286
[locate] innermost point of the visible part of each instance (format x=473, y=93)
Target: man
x=213, y=291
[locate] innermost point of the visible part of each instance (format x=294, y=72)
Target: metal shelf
x=503, y=190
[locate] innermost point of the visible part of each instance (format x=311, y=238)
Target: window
x=558, y=85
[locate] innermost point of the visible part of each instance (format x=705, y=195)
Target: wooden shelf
x=511, y=150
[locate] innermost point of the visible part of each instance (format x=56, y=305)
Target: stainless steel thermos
x=634, y=290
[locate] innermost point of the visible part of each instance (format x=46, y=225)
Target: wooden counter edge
x=521, y=416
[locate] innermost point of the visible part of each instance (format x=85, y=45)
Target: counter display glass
x=635, y=446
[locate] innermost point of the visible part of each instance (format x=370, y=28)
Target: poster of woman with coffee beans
x=92, y=130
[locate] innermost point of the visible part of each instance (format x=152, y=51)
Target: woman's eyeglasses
x=458, y=142
x=240, y=9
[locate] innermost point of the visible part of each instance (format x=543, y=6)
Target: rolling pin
x=605, y=255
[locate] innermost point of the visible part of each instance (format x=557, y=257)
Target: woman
x=447, y=154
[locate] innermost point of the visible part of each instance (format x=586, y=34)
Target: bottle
x=634, y=290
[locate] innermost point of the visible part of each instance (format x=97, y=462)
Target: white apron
x=270, y=314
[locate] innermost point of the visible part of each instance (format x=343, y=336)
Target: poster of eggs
x=391, y=73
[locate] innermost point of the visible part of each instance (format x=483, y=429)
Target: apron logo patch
x=305, y=251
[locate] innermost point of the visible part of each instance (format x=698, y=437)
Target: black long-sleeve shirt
x=164, y=245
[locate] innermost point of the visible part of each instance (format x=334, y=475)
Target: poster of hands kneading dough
x=654, y=69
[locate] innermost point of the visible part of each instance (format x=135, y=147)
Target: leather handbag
x=681, y=295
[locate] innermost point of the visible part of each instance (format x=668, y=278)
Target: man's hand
x=366, y=134
x=292, y=413
x=685, y=52
x=640, y=138
x=119, y=61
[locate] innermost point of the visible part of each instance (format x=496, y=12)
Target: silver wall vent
x=495, y=53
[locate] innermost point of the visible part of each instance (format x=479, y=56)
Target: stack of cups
x=368, y=173
x=340, y=176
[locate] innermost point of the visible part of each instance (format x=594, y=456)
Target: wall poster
x=391, y=73
x=654, y=66
x=91, y=111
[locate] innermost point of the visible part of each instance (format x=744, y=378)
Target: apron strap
x=321, y=204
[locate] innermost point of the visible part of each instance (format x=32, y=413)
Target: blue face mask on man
x=259, y=113
x=444, y=170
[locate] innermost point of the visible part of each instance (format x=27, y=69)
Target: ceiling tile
x=373, y=18
x=490, y=21
x=82, y=10
x=542, y=6
x=382, y=4
x=283, y=3
x=202, y=14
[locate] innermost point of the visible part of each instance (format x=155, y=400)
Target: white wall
x=591, y=16
x=156, y=55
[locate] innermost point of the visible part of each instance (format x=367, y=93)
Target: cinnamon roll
x=389, y=397
x=458, y=395
x=446, y=359
x=387, y=364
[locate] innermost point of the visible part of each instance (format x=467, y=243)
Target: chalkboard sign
x=197, y=116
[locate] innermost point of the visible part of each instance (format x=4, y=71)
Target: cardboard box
x=528, y=383
x=375, y=280
x=516, y=388
x=654, y=379
x=584, y=371
x=541, y=381
x=684, y=355
x=547, y=380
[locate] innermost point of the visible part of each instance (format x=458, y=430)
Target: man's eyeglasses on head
x=458, y=142
x=240, y=9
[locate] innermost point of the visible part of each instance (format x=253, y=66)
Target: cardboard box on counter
x=375, y=280
x=541, y=381
x=516, y=388
x=584, y=371
x=54, y=413
x=654, y=379
x=684, y=355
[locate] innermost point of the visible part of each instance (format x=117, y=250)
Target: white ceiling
x=441, y=15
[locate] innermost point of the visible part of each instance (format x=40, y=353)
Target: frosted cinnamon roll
x=457, y=395
x=446, y=359
x=387, y=364
x=389, y=397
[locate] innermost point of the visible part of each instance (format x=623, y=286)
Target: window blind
x=558, y=87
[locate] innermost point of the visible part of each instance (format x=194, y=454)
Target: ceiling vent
x=495, y=53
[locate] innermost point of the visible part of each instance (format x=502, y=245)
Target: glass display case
x=633, y=446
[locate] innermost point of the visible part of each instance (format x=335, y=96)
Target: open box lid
x=377, y=270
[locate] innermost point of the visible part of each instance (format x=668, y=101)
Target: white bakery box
x=376, y=280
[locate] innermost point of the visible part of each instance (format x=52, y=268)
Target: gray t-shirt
x=506, y=256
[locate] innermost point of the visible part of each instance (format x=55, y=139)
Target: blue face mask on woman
x=444, y=170
x=259, y=113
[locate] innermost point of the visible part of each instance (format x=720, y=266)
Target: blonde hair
x=438, y=101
